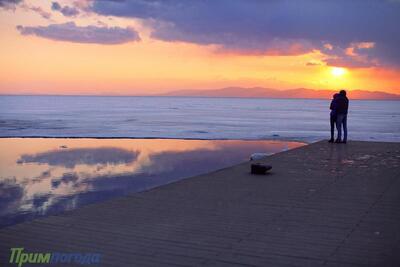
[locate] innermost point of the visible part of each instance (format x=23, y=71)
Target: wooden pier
x=321, y=205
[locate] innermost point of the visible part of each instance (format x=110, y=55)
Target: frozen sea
x=191, y=118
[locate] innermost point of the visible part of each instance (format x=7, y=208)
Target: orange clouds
x=31, y=64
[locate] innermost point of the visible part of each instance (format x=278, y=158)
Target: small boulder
x=258, y=168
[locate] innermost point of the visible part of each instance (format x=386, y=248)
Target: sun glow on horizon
x=338, y=72
x=33, y=63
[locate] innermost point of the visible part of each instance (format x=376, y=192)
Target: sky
x=139, y=47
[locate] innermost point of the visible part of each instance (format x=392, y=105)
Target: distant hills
x=260, y=92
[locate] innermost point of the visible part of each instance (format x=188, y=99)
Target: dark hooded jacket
x=333, y=105
x=342, y=104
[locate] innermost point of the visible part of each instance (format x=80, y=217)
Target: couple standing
x=339, y=107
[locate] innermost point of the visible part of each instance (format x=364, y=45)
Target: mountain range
x=260, y=92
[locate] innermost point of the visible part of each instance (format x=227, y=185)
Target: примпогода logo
x=19, y=257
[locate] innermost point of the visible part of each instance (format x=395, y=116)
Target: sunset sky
x=141, y=47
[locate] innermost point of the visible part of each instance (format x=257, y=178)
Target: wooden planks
x=322, y=205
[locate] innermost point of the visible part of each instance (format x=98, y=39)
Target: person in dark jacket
x=333, y=116
x=342, y=106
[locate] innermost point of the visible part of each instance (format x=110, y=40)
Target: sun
x=337, y=72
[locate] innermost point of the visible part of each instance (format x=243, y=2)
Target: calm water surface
x=40, y=176
x=190, y=117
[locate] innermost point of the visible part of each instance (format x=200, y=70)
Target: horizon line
x=188, y=96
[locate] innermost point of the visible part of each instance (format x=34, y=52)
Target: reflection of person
x=333, y=117
x=342, y=106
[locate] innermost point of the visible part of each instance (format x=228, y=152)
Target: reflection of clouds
x=68, y=177
x=64, y=179
x=224, y=154
x=44, y=175
x=189, y=161
x=89, y=156
x=11, y=194
x=39, y=201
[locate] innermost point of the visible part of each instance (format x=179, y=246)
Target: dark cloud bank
x=274, y=27
x=82, y=34
x=9, y=3
x=65, y=10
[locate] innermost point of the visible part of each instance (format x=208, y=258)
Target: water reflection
x=47, y=176
x=88, y=156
